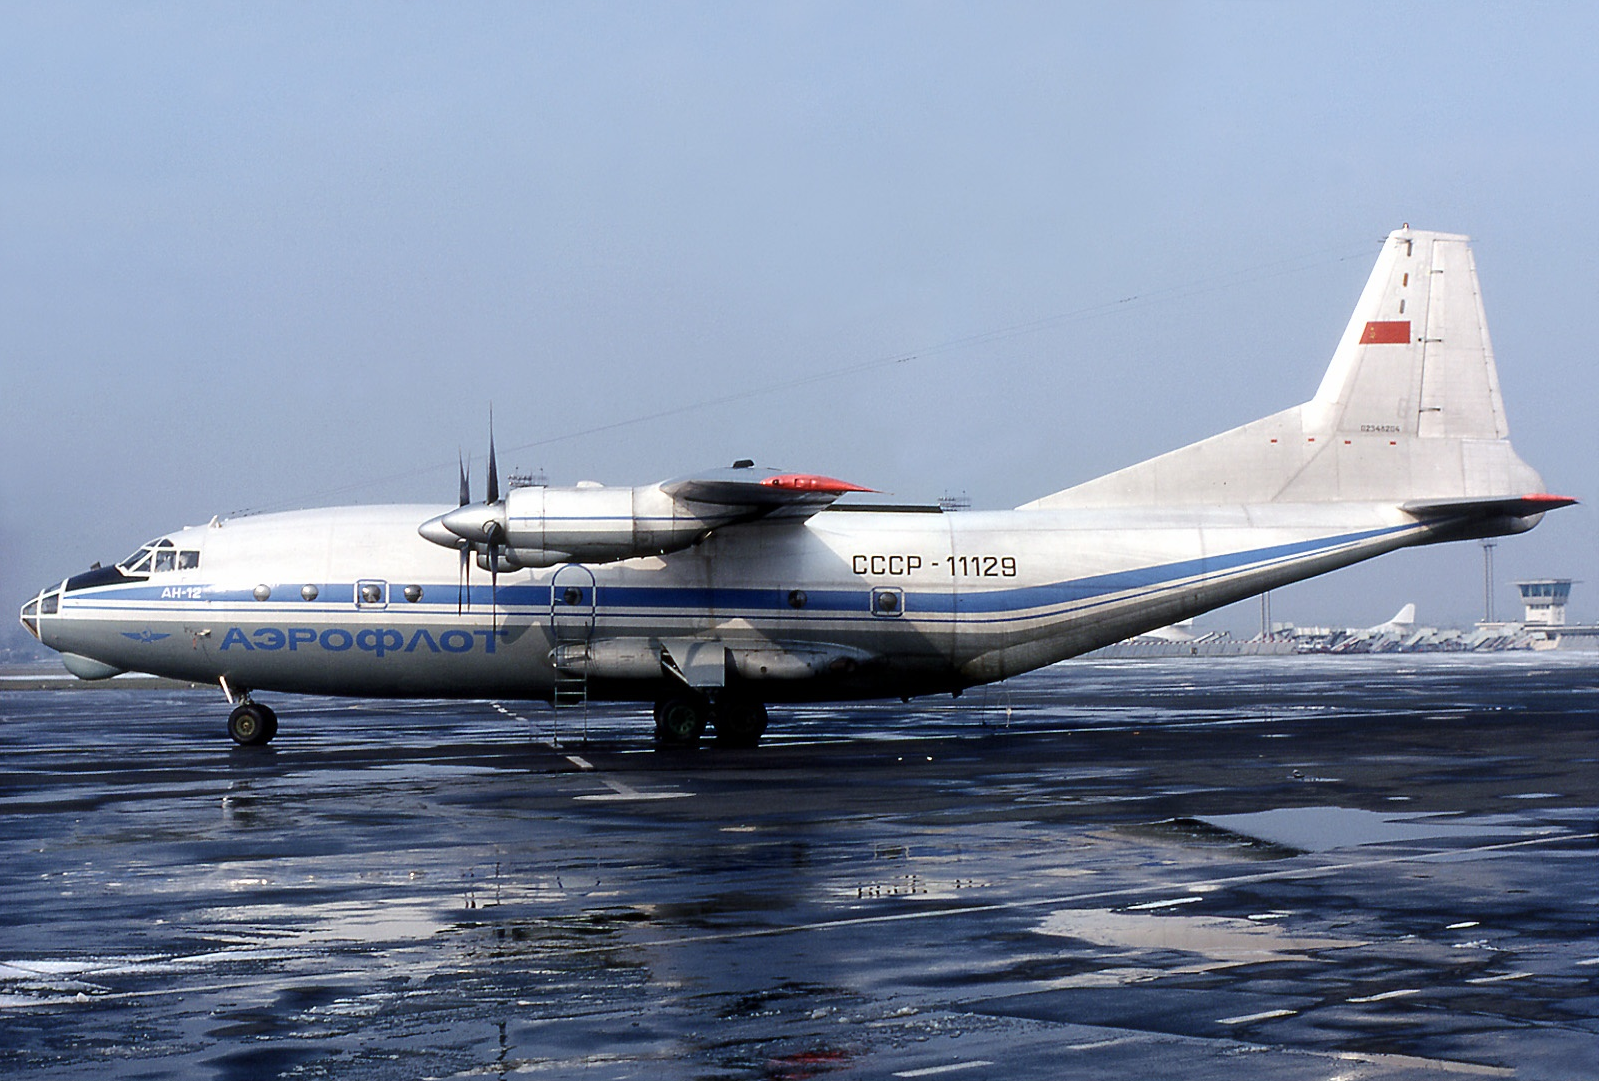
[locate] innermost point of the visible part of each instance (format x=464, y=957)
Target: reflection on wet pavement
x=1274, y=867
x=1321, y=829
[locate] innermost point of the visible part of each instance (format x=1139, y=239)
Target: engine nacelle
x=594, y=524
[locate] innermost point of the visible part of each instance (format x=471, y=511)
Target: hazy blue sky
x=274, y=255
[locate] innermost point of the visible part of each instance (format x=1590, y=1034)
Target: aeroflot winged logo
x=146, y=636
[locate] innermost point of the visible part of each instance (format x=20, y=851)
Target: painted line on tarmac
x=953, y=1067
x=1405, y=992
x=619, y=792
x=1251, y=1018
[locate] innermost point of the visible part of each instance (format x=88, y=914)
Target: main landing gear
x=681, y=719
x=251, y=724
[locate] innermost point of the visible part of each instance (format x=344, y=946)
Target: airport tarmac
x=1275, y=867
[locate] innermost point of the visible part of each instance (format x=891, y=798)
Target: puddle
x=315, y=925
x=1222, y=940
x=1321, y=829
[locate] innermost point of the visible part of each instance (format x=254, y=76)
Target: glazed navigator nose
x=47, y=603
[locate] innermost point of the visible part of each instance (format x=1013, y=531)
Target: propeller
x=473, y=529
x=495, y=530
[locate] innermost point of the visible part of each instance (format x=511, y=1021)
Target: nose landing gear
x=251, y=724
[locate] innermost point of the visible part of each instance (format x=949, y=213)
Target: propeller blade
x=494, y=471
x=466, y=481
x=494, y=589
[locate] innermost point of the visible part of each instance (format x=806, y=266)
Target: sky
x=256, y=257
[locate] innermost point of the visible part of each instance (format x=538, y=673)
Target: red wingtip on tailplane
x=1515, y=506
x=812, y=482
x=1545, y=501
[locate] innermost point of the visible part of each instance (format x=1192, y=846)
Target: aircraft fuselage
x=845, y=604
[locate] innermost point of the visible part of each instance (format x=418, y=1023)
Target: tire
x=740, y=722
x=251, y=725
x=680, y=720
x=271, y=722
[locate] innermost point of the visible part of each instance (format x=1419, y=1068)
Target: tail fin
x=1408, y=411
x=1403, y=622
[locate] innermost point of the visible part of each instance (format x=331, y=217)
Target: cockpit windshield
x=160, y=556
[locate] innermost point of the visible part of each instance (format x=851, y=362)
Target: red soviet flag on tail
x=1396, y=332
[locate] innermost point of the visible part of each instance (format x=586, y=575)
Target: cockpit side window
x=158, y=556
x=138, y=562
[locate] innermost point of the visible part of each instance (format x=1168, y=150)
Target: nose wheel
x=251, y=724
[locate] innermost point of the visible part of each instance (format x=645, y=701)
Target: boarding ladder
x=572, y=605
x=571, y=683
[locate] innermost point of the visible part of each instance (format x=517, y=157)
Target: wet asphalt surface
x=1234, y=868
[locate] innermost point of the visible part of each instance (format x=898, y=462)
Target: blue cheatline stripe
x=678, y=601
x=1142, y=578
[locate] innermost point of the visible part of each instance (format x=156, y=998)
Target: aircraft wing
x=762, y=491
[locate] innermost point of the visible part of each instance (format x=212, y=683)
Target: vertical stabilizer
x=1408, y=410
x=1403, y=621
x=1415, y=358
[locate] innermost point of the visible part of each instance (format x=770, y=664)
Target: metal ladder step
x=571, y=689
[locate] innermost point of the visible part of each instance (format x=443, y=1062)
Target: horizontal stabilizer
x=1515, y=506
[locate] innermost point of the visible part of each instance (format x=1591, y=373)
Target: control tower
x=1544, y=601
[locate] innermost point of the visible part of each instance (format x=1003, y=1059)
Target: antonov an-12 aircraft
x=715, y=594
